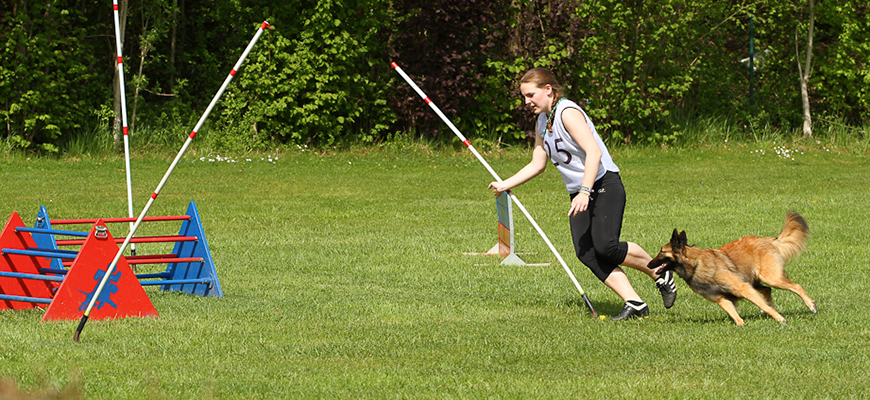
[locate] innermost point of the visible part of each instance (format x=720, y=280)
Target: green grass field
x=345, y=277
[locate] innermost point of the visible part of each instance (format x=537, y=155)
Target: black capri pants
x=595, y=232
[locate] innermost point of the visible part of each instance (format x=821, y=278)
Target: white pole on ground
x=123, y=97
x=181, y=152
x=497, y=178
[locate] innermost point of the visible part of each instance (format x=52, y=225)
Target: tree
x=805, y=71
x=49, y=81
x=155, y=23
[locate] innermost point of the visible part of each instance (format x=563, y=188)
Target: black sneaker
x=666, y=285
x=630, y=311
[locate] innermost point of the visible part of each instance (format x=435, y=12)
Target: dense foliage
x=51, y=69
x=322, y=75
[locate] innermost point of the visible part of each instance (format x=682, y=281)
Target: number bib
x=564, y=151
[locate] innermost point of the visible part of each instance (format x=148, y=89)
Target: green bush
x=324, y=86
x=646, y=71
x=48, y=72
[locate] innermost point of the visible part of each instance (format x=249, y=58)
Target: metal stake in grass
x=184, y=147
x=123, y=97
x=495, y=175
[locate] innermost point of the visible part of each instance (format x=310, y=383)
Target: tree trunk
x=172, y=39
x=805, y=74
x=142, y=54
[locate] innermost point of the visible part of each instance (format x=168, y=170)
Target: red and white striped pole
x=123, y=96
x=265, y=25
x=495, y=175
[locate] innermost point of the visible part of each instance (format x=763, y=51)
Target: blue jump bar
x=58, y=251
x=53, y=271
x=145, y=283
x=139, y=276
x=177, y=282
x=25, y=299
x=51, y=231
x=151, y=276
x=37, y=277
x=38, y=253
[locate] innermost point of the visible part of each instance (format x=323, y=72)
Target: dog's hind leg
x=765, y=291
x=758, y=299
x=784, y=283
x=729, y=308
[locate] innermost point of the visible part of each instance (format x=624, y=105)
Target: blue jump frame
x=195, y=274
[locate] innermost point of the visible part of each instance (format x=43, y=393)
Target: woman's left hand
x=579, y=205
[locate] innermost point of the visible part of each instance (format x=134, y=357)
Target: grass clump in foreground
x=345, y=277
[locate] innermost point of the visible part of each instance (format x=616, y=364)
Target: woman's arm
x=531, y=170
x=575, y=124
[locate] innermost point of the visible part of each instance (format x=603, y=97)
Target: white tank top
x=564, y=151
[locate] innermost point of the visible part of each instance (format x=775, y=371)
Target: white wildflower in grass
x=781, y=152
x=231, y=159
x=784, y=152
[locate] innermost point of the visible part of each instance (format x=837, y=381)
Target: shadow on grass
x=604, y=307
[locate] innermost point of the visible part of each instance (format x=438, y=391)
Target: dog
x=745, y=268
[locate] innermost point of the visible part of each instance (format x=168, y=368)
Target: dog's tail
x=793, y=238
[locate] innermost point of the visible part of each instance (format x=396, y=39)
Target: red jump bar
x=143, y=239
x=110, y=220
x=154, y=261
x=165, y=260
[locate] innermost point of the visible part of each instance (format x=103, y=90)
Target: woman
x=566, y=136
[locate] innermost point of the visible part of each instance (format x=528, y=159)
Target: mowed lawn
x=345, y=276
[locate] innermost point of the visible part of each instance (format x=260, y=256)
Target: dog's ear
x=675, y=236
x=678, y=240
x=681, y=239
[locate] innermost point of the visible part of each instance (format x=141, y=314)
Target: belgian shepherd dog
x=745, y=268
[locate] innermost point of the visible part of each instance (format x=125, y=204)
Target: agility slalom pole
x=495, y=175
x=181, y=152
x=123, y=96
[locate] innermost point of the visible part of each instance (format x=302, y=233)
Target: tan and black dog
x=745, y=268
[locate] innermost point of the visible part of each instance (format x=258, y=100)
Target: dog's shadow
x=750, y=316
x=714, y=316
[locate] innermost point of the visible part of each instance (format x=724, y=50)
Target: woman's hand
x=579, y=204
x=498, y=188
x=531, y=170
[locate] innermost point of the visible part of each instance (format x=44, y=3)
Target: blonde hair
x=542, y=77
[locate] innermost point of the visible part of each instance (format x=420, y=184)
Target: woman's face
x=540, y=98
